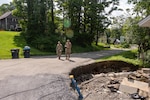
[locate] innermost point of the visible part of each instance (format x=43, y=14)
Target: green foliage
x=127, y=56
x=147, y=61
x=116, y=33
x=40, y=22
x=141, y=6
x=136, y=34
x=139, y=36
x=125, y=45
x=83, y=39
x=6, y=7
x=93, y=47
x=37, y=22
x=45, y=43
x=122, y=45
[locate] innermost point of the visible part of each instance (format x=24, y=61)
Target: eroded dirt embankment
x=103, y=67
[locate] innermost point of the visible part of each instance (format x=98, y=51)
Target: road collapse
x=125, y=85
x=117, y=86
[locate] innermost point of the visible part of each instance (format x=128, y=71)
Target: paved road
x=42, y=78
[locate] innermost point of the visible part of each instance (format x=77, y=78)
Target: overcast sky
x=123, y=5
x=4, y=1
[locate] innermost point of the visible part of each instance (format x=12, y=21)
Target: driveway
x=42, y=78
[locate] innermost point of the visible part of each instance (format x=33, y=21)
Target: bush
x=83, y=39
x=147, y=59
x=125, y=45
x=45, y=43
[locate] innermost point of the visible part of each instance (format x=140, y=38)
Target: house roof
x=145, y=22
x=5, y=15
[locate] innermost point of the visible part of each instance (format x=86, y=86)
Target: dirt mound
x=103, y=67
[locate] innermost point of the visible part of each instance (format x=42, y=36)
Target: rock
x=114, y=82
x=112, y=89
x=136, y=84
x=132, y=76
x=128, y=89
x=116, y=86
x=143, y=93
x=111, y=75
x=146, y=70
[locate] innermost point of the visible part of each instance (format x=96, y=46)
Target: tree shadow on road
x=71, y=60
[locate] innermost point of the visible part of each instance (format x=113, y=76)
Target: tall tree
x=6, y=7
x=141, y=35
x=88, y=19
x=141, y=7
x=37, y=20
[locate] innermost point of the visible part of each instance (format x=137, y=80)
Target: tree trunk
x=97, y=37
x=52, y=16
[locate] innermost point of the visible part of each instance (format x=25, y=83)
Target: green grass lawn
x=127, y=56
x=7, y=42
x=10, y=40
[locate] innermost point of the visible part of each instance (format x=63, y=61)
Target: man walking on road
x=59, y=49
x=68, y=47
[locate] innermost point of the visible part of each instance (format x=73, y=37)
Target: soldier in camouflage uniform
x=59, y=49
x=68, y=46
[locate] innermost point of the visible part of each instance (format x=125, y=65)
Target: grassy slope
x=127, y=56
x=10, y=40
x=93, y=47
x=7, y=43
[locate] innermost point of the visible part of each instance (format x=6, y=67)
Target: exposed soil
x=102, y=67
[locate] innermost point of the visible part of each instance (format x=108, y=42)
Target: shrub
x=125, y=45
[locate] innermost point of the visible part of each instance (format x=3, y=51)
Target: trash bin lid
x=14, y=49
x=26, y=48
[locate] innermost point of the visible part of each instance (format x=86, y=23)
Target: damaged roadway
x=42, y=78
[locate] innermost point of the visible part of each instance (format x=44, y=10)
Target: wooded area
x=43, y=20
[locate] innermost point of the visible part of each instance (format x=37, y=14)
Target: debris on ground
x=116, y=86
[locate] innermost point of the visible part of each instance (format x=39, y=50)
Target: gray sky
x=4, y=1
x=124, y=5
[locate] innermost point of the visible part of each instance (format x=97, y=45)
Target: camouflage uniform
x=68, y=46
x=59, y=49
